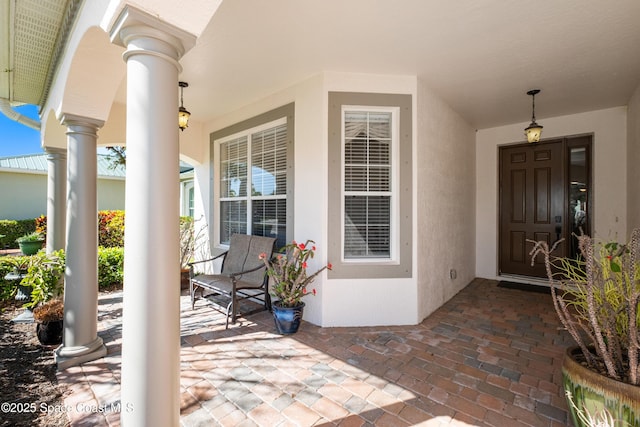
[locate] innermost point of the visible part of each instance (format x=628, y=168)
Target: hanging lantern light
x=534, y=130
x=183, y=113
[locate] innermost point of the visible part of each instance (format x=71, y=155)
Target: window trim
x=392, y=193
x=267, y=120
x=402, y=264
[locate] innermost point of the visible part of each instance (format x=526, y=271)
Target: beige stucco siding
x=445, y=202
x=24, y=195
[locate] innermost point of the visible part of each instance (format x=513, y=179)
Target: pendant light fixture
x=534, y=130
x=183, y=114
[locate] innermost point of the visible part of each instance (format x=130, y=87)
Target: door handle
x=558, y=219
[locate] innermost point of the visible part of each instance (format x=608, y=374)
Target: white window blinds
x=253, y=184
x=367, y=189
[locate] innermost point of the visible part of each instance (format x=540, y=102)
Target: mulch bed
x=29, y=390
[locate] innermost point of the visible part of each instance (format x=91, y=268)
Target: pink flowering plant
x=289, y=273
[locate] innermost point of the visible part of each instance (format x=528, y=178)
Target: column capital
x=54, y=153
x=69, y=119
x=133, y=23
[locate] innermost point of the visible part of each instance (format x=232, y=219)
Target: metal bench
x=243, y=275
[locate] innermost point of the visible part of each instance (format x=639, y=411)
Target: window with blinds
x=253, y=183
x=367, y=178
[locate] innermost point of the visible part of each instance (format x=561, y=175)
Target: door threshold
x=531, y=284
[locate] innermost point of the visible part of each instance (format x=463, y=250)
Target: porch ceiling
x=479, y=57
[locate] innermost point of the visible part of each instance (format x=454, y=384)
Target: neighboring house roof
x=37, y=163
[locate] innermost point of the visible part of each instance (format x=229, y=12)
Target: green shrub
x=45, y=273
x=7, y=287
x=31, y=237
x=45, y=276
x=13, y=229
x=110, y=228
x=110, y=268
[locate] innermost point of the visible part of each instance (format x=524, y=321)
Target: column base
x=66, y=357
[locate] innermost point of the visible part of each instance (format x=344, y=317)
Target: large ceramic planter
x=593, y=392
x=287, y=319
x=30, y=248
x=49, y=333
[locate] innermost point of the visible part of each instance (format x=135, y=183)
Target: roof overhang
x=31, y=44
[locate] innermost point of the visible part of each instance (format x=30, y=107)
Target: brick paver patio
x=489, y=357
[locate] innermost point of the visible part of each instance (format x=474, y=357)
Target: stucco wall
x=111, y=194
x=24, y=195
x=609, y=176
x=633, y=161
x=353, y=302
x=445, y=202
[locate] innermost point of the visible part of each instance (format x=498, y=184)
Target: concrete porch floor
x=489, y=357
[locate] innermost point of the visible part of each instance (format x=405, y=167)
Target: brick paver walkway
x=489, y=357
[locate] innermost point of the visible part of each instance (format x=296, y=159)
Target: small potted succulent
x=290, y=276
x=49, y=321
x=30, y=243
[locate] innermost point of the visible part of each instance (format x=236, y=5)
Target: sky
x=17, y=139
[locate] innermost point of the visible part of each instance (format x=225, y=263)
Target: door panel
x=531, y=204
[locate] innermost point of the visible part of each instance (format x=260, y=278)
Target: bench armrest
x=191, y=264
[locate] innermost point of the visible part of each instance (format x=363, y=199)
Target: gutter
x=7, y=110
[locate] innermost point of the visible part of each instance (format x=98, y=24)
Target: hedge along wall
x=110, y=271
x=12, y=229
x=110, y=228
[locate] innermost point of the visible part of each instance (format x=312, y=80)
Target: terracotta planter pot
x=593, y=392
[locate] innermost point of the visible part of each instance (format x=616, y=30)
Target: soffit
x=29, y=46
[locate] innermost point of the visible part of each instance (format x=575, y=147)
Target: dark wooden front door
x=532, y=204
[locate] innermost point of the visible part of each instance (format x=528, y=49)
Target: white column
x=80, y=340
x=151, y=312
x=56, y=198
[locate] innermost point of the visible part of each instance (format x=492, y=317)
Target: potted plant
x=597, y=298
x=191, y=241
x=290, y=276
x=44, y=277
x=187, y=245
x=49, y=321
x=30, y=243
x=18, y=267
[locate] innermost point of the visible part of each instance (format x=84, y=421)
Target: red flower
x=314, y=291
x=313, y=248
x=304, y=264
x=329, y=266
x=262, y=255
x=301, y=246
x=304, y=291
